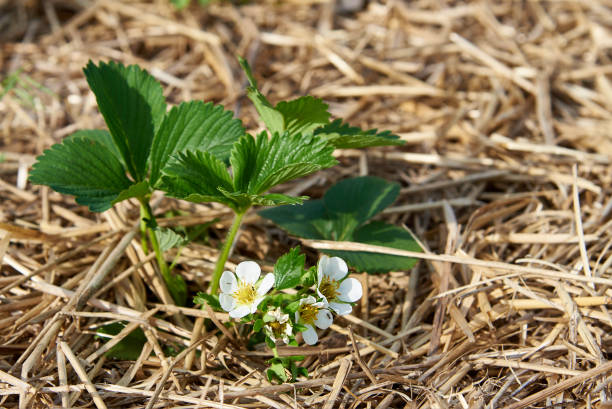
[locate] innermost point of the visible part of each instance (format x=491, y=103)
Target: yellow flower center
x=245, y=294
x=329, y=288
x=278, y=329
x=308, y=313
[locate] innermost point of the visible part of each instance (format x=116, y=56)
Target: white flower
x=311, y=313
x=278, y=325
x=332, y=286
x=240, y=292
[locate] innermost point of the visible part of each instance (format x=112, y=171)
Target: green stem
x=143, y=231
x=147, y=214
x=229, y=240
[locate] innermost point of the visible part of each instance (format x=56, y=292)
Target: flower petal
x=228, y=282
x=350, y=290
x=341, y=308
x=266, y=284
x=322, y=269
x=248, y=271
x=336, y=269
x=324, y=319
x=227, y=302
x=240, y=311
x=310, y=335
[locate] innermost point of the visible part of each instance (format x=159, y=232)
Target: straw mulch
x=506, y=179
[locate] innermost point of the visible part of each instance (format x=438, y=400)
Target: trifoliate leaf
x=340, y=215
x=343, y=136
x=380, y=234
x=84, y=168
x=288, y=269
x=194, y=125
x=303, y=115
x=197, y=176
x=129, y=348
x=261, y=163
x=132, y=104
x=168, y=238
x=301, y=220
x=269, y=115
x=350, y=202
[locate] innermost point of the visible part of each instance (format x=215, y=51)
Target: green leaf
x=289, y=269
x=129, y=348
x=197, y=176
x=277, y=372
x=101, y=136
x=303, y=115
x=261, y=163
x=84, y=168
x=176, y=287
x=380, y=234
x=351, y=202
x=308, y=220
x=343, y=136
x=168, y=238
x=132, y=104
x=269, y=115
x=202, y=298
x=257, y=325
x=194, y=125
x=138, y=190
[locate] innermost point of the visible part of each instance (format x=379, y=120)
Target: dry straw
x=506, y=179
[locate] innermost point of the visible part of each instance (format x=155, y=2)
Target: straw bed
x=506, y=176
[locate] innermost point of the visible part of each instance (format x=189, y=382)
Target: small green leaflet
x=129, y=348
x=271, y=117
x=289, y=269
x=341, y=215
x=168, y=238
x=133, y=106
x=84, y=168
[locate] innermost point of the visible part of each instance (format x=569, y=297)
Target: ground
x=505, y=179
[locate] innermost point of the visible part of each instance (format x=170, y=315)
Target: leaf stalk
x=225, y=250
